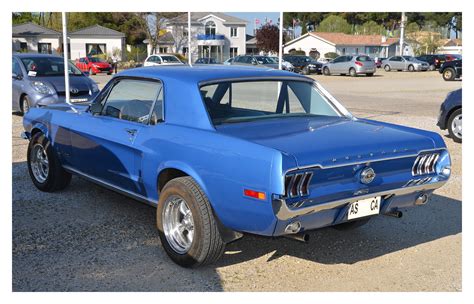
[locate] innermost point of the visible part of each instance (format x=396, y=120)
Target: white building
x=214, y=35
x=33, y=38
x=317, y=44
x=96, y=40
x=451, y=46
x=93, y=40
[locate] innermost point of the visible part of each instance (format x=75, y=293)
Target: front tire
x=411, y=68
x=186, y=224
x=326, y=71
x=449, y=74
x=25, y=104
x=455, y=126
x=44, y=167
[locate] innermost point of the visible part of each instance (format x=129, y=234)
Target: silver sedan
x=404, y=63
x=350, y=64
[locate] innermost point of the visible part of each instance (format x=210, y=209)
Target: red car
x=94, y=65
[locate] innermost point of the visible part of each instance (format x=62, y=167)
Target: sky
x=250, y=17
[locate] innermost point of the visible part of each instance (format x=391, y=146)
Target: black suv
x=435, y=61
x=304, y=64
x=451, y=70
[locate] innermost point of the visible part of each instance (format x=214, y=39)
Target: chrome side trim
x=282, y=212
x=109, y=186
x=359, y=162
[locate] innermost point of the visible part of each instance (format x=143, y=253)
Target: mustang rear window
x=231, y=102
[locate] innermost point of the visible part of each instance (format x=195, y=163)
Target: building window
x=163, y=49
x=357, y=51
x=44, y=48
x=233, y=52
x=23, y=47
x=343, y=51
x=95, y=49
x=233, y=32
x=210, y=28
x=185, y=51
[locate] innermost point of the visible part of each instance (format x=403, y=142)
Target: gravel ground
x=86, y=238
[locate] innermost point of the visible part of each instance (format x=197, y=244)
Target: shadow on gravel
x=86, y=238
x=441, y=217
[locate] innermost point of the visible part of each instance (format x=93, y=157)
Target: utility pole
x=402, y=33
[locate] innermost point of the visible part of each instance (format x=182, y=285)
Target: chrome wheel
x=39, y=163
x=456, y=126
x=178, y=224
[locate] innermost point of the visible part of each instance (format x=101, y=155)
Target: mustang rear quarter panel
x=223, y=166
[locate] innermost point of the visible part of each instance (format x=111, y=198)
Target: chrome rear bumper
x=282, y=212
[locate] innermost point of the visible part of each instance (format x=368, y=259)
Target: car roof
x=197, y=74
x=29, y=55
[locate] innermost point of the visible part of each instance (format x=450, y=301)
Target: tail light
x=425, y=164
x=297, y=184
x=359, y=63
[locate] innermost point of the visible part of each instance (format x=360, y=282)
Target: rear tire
x=352, y=72
x=199, y=243
x=455, y=125
x=449, y=74
x=370, y=74
x=411, y=68
x=432, y=67
x=387, y=68
x=351, y=225
x=44, y=167
x=326, y=71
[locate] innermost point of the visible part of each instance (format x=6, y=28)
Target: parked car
x=451, y=70
x=94, y=65
x=450, y=115
x=404, y=63
x=304, y=64
x=206, y=60
x=228, y=61
x=285, y=65
x=223, y=151
x=350, y=64
x=161, y=59
x=434, y=61
x=255, y=60
x=38, y=80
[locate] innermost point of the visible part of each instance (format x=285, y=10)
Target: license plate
x=363, y=208
x=78, y=99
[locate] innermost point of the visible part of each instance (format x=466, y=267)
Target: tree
x=153, y=24
x=268, y=38
x=334, y=23
x=370, y=28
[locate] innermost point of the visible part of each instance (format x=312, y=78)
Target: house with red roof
x=321, y=43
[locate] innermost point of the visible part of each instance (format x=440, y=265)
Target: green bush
x=297, y=52
x=331, y=55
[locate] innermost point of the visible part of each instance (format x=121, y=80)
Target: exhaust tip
x=421, y=200
x=397, y=214
x=293, y=227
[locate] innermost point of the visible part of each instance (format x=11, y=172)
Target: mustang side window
x=132, y=100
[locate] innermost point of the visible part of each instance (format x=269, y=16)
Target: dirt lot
x=88, y=238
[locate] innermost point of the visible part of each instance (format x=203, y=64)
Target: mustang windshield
x=231, y=102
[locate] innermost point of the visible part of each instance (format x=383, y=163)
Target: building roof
x=97, y=30
x=32, y=29
x=453, y=42
x=346, y=39
x=166, y=38
x=197, y=16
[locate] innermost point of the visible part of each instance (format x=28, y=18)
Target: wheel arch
x=451, y=111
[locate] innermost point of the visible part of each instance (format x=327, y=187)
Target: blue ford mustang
x=223, y=151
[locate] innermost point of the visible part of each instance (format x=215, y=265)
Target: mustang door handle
x=131, y=132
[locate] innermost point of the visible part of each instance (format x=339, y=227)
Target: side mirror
x=95, y=108
x=17, y=76
x=86, y=73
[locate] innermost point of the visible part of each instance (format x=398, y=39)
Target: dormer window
x=233, y=32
